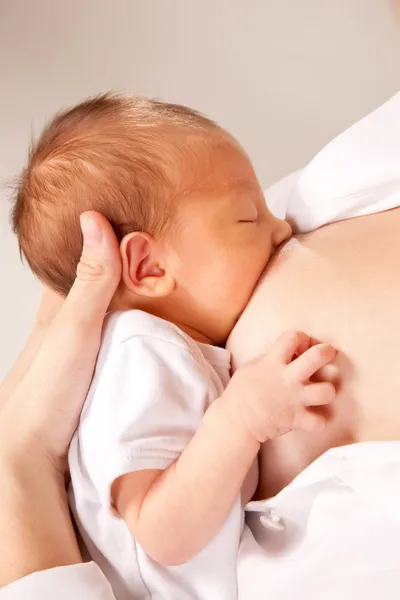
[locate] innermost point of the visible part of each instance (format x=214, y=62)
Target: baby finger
x=310, y=421
x=318, y=394
x=306, y=365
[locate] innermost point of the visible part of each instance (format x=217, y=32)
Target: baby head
x=195, y=233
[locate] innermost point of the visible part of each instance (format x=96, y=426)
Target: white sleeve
x=75, y=582
x=147, y=403
x=356, y=174
x=278, y=195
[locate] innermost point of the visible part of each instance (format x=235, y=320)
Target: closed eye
x=248, y=221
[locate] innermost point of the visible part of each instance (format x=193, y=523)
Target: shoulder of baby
x=125, y=330
x=139, y=356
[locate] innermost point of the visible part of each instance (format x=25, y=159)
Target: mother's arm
x=49, y=307
x=40, y=404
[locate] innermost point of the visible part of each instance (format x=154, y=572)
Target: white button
x=270, y=520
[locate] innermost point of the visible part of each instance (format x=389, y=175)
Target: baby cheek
x=245, y=280
x=259, y=253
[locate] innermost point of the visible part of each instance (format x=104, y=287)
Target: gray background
x=284, y=76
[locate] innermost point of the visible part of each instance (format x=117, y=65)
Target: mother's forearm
x=23, y=362
x=50, y=305
x=36, y=531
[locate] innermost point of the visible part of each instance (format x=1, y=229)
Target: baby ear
x=143, y=271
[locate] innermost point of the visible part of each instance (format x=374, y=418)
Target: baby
x=165, y=453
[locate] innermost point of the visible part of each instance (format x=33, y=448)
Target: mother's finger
x=98, y=272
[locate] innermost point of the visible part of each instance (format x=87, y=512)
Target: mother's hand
x=40, y=405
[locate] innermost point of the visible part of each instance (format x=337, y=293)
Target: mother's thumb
x=98, y=272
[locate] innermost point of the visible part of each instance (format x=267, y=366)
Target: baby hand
x=273, y=393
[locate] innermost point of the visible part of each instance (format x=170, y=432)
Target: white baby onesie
x=151, y=388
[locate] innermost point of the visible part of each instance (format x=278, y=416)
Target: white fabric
x=278, y=195
x=150, y=391
x=355, y=174
x=75, y=582
x=342, y=531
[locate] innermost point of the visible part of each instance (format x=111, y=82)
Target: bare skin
x=340, y=284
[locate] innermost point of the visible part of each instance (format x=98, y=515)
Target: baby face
x=223, y=239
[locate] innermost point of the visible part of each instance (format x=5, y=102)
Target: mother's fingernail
x=91, y=230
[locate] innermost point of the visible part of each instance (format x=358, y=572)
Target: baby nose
x=282, y=231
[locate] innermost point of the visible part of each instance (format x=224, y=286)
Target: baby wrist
x=234, y=413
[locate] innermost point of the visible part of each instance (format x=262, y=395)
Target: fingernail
x=91, y=231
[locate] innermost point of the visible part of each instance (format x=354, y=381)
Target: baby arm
x=174, y=513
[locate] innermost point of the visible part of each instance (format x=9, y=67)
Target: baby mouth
x=281, y=253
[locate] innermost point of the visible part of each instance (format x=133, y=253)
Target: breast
x=340, y=284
